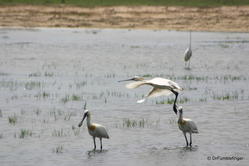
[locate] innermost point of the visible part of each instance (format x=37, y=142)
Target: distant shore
x=225, y=19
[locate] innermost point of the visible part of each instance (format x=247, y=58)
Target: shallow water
x=47, y=74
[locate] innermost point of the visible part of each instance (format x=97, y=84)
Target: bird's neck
x=175, y=99
x=88, y=120
x=180, y=117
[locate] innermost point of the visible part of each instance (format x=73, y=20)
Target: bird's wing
x=155, y=92
x=135, y=84
x=162, y=82
x=187, y=54
x=101, y=131
x=174, y=85
x=192, y=125
x=158, y=81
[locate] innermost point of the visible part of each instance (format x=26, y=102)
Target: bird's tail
x=135, y=84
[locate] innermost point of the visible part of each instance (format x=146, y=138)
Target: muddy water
x=47, y=74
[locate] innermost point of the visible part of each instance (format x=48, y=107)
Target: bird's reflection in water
x=92, y=153
x=190, y=148
x=182, y=148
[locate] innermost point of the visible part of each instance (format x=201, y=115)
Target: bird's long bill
x=126, y=80
x=81, y=122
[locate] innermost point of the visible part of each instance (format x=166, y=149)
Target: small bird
x=186, y=126
x=188, y=52
x=94, y=129
x=161, y=87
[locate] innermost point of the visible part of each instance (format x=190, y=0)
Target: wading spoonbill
x=188, y=52
x=186, y=126
x=94, y=129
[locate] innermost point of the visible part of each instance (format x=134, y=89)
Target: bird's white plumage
x=99, y=131
x=187, y=54
x=94, y=129
x=134, y=85
x=161, y=87
x=188, y=126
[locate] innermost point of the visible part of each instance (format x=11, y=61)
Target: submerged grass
x=25, y=133
x=171, y=101
x=58, y=149
x=226, y=97
x=12, y=119
x=76, y=130
x=59, y=133
x=68, y=98
x=140, y=123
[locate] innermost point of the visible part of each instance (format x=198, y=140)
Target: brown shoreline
x=229, y=19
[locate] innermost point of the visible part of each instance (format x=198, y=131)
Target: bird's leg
x=100, y=143
x=94, y=144
x=190, y=134
x=189, y=64
x=185, y=138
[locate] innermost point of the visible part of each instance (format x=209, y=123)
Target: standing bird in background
x=94, y=129
x=161, y=87
x=188, y=53
x=186, y=126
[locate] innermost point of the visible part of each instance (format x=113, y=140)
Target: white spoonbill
x=94, y=129
x=161, y=87
x=188, y=52
x=186, y=126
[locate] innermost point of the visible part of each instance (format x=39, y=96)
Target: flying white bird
x=161, y=87
x=188, y=52
x=186, y=126
x=94, y=129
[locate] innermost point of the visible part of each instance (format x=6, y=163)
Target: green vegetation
x=12, y=119
x=25, y=133
x=59, y=133
x=76, y=130
x=92, y=3
x=171, y=101
x=141, y=123
x=147, y=75
x=228, y=96
x=58, y=149
x=68, y=98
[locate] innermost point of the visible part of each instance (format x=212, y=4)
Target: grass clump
x=68, y=116
x=147, y=75
x=12, y=119
x=25, y=133
x=140, y=123
x=59, y=133
x=68, y=98
x=58, y=149
x=76, y=130
x=133, y=123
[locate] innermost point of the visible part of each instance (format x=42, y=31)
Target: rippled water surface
x=47, y=74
